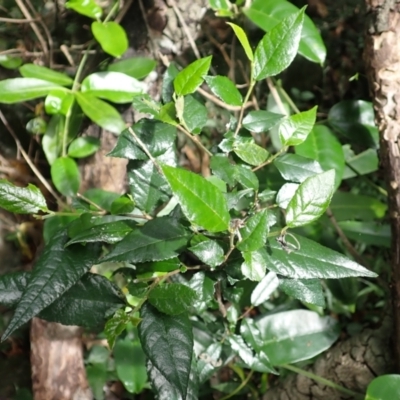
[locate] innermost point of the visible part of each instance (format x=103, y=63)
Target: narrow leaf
x=225, y=89
x=254, y=234
x=264, y=289
x=111, y=36
x=87, y=7
x=251, y=153
x=241, y=35
x=46, y=74
x=307, y=290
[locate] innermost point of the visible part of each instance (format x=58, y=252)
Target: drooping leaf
x=296, y=168
x=21, y=200
x=83, y=146
x=254, y=234
x=225, y=89
x=192, y=76
x=66, y=176
x=168, y=343
x=46, y=74
x=296, y=335
x=89, y=8
x=136, y=67
x=246, y=177
x=312, y=261
x=146, y=105
x=307, y=290
x=58, y=101
x=255, y=264
x=56, y=271
x=311, y=199
x=278, y=47
x=251, y=153
x=202, y=203
x=241, y=35
x=111, y=36
x=264, y=289
x=261, y=121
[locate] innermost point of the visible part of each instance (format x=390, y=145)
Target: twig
x=18, y=21
x=195, y=139
x=276, y=96
x=123, y=11
x=220, y=103
x=152, y=41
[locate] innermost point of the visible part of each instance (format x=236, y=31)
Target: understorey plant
x=196, y=258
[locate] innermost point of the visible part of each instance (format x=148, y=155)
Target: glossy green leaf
x=285, y=194
x=66, y=176
x=16, y=90
x=278, y=47
x=311, y=199
x=261, y=121
x=225, y=89
x=10, y=61
x=209, y=252
x=191, y=77
x=146, y=105
x=254, y=265
x=371, y=233
x=112, y=86
x=296, y=335
x=202, y=203
x=264, y=289
x=361, y=164
x=45, y=74
x=195, y=114
x=384, y=387
x=306, y=290
x=267, y=14
x=87, y=303
x=204, y=289
x=294, y=129
x=100, y=112
x=246, y=177
x=83, y=146
x=251, y=153
x=322, y=145
x=136, y=67
x=158, y=239
x=56, y=271
x=85, y=7
x=53, y=138
x=168, y=114
x=12, y=286
x=254, y=234
x=311, y=261
x=111, y=36
x=58, y=101
x=21, y=200
x=115, y=326
x=167, y=89
x=36, y=126
x=244, y=41
x=122, y=205
x=130, y=365
x=168, y=344
x=296, y=168
x=172, y=298
x=209, y=361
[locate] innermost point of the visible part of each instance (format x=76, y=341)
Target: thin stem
x=323, y=381
x=269, y=161
x=246, y=99
x=114, y=8
x=91, y=202
x=194, y=139
x=240, y=387
x=288, y=99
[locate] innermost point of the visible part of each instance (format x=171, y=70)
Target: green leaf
x=195, y=114
x=16, y=90
x=87, y=7
x=102, y=198
x=146, y=105
x=191, y=77
x=167, y=89
x=100, y=112
x=296, y=335
x=130, y=365
x=267, y=14
x=115, y=326
x=296, y=168
x=321, y=145
x=278, y=47
x=66, y=176
x=12, y=286
x=311, y=199
x=87, y=303
x=264, y=289
x=45, y=74
x=58, y=101
x=285, y=194
x=202, y=203
x=122, y=205
x=261, y=121
x=294, y=129
x=209, y=252
x=246, y=177
x=251, y=153
x=53, y=138
x=241, y=35
x=168, y=343
x=254, y=265
x=112, y=86
x=209, y=361
x=159, y=239
x=312, y=261
x=222, y=167
x=172, y=298
x=136, y=67
x=56, y=271
x=20, y=200
x=204, y=289
x=254, y=234
x=10, y=62
x=384, y=387
x=306, y=290
x=361, y=164
x=83, y=146
x=225, y=89
x=111, y=36
x=371, y=233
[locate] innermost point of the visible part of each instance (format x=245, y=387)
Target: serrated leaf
x=307, y=290
x=58, y=101
x=209, y=252
x=294, y=129
x=261, y=121
x=136, y=67
x=241, y=35
x=204, y=288
x=285, y=194
x=202, y=203
x=56, y=271
x=172, y=298
x=264, y=289
x=194, y=115
x=312, y=261
x=12, y=286
x=46, y=74
x=296, y=335
x=240, y=347
x=209, y=361
x=254, y=234
x=225, y=89
x=251, y=153
x=87, y=7
x=83, y=147
x=146, y=105
x=66, y=176
x=168, y=343
x=296, y=168
x=254, y=265
x=111, y=36
x=21, y=200
x=191, y=77
x=311, y=199
x=159, y=239
x=278, y=47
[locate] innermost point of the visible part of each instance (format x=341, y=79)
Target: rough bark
x=382, y=56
